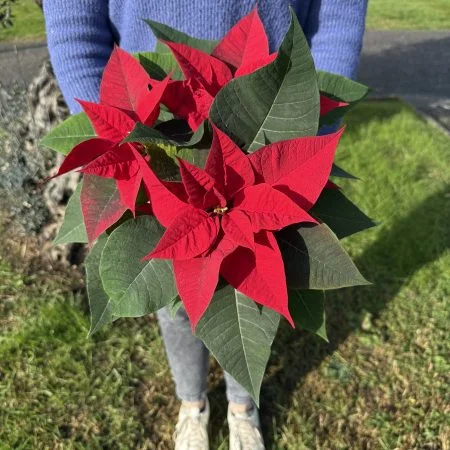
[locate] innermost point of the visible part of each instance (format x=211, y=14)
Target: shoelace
x=249, y=435
x=191, y=431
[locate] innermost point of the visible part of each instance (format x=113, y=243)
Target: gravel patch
x=21, y=171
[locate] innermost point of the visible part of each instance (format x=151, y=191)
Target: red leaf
x=255, y=64
x=146, y=209
x=108, y=122
x=83, y=154
x=195, y=105
x=166, y=205
x=328, y=104
x=269, y=209
x=197, y=279
x=101, y=205
x=119, y=163
x=129, y=189
x=297, y=167
x=177, y=188
x=228, y=165
x=148, y=103
x=189, y=235
x=259, y=275
x=246, y=41
x=212, y=73
x=124, y=81
x=237, y=226
x=331, y=185
x=200, y=187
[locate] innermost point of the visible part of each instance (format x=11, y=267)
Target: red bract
x=246, y=46
x=221, y=220
x=244, y=49
x=124, y=86
x=328, y=104
x=125, y=99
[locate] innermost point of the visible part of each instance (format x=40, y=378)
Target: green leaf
x=341, y=88
x=307, y=309
x=196, y=156
x=315, y=259
x=146, y=135
x=159, y=65
x=162, y=48
x=164, y=115
x=180, y=132
x=334, y=117
x=340, y=214
x=69, y=133
x=73, y=228
x=165, y=33
x=164, y=151
x=174, y=307
x=239, y=334
x=99, y=302
x=136, y=287
x=336, y=171
x=279, y=101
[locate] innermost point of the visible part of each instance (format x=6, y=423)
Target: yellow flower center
x=221, y=211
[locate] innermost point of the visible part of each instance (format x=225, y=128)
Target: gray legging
x=188, y=360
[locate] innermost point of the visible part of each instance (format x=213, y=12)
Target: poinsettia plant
x=206, y=184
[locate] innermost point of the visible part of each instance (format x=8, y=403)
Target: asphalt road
x=20, y=63
x=413, y=65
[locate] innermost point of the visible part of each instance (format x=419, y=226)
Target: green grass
x=28, y=23
x=408, y=15
x=381, y=383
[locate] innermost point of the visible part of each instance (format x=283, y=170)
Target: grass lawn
x=381, y=383
x=408, y=15
x=28, y=23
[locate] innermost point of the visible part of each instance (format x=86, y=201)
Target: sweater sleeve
x=335, y=30
x=80, y=41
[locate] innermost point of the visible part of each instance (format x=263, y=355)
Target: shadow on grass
x=388, y=269
x=385, y=110
x=424, y=232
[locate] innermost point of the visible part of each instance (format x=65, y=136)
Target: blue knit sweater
x=81, y=33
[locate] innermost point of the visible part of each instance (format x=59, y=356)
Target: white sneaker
x=191, y=432
x=245, y=430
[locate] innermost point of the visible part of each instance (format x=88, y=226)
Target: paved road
x=19, y=64
x=414, y=65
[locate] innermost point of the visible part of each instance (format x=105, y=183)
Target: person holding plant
x=81, y=36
